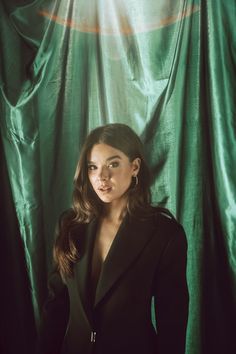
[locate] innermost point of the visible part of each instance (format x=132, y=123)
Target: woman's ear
x=136, y=163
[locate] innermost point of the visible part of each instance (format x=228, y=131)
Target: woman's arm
x=54, y=317
x=171, y=296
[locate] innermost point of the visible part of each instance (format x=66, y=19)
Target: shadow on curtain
x=167, y=69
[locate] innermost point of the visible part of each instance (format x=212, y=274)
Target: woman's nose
x=104, y=173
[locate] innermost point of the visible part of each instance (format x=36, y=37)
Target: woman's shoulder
x=66, y=218
x=66, y=215
x=164, y=219
x=68, y=221
x=168, y=231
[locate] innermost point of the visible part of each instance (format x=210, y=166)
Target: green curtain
x=166, y=68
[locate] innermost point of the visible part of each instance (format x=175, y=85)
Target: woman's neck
x=115, y=212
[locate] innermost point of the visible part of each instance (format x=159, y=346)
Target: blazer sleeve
x=171, y=295
x=55, y=312
x=54, y=317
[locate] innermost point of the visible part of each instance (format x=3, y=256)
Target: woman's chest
x=104, y=239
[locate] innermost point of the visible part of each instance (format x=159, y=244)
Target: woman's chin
x=105, y=199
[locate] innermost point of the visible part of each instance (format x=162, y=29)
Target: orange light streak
x=125, y=30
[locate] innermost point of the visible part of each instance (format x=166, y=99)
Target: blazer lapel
x=131, y=238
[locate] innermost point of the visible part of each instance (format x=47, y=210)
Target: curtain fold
x=17, y=323
x=167, y=69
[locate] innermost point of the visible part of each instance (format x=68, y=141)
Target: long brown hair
x=86, y=204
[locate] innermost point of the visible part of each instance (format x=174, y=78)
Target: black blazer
x=147, y=260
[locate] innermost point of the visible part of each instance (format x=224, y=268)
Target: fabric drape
x=166, y=68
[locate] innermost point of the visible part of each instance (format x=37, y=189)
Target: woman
x=114, y=253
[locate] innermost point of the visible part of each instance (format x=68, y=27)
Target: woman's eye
x=114, y=164
x=91, y=167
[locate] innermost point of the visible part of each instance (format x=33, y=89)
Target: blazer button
x=93, y=337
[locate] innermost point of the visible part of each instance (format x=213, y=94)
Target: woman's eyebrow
x=108, y=159
x=114, y=157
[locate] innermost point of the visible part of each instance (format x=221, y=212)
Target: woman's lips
x=104, y=189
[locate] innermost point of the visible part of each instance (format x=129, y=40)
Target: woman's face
x=110, y=172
